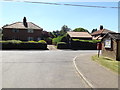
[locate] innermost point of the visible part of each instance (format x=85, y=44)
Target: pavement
x=51, y=47
x=94, y=74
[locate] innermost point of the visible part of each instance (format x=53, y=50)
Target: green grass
x=108, y=63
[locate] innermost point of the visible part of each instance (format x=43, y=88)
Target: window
x=13, y=38
x=30, y=38
x=15, y=30
x=38, y=38
x=30, y=31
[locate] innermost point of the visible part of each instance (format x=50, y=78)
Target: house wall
x=111, y=53
x=23, y=34
x=118, y=56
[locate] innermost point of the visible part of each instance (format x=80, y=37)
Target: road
x=41, y=69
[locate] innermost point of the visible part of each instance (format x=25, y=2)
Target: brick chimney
x=101, y=27
x=25, y=22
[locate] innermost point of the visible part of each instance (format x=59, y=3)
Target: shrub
x=32, y=42
x=59, y=39
x=62, y=45
x=11, y=41
x=42, y=41
x=92, y=41
x=15, y=44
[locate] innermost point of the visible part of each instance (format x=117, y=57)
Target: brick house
x=97, y=35
x=111, y=46
x=24, y=31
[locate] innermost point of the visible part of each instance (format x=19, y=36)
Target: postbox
x=99, y=46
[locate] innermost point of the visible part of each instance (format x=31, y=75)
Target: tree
x=80, y=30
x=64, y=29
x=94, y=30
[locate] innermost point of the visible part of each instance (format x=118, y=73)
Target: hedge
x=92, y=41
x=62, y=45
x=7, y=45
x=79, y=45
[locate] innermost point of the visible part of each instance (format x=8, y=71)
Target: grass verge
x=108, y=63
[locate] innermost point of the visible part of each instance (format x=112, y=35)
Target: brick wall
x=118, y=57
x=23, y=35
x=111, y=53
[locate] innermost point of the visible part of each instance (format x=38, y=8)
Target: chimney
x=25, y=22
x=101, y=27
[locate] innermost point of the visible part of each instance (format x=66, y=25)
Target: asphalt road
x=41, y=69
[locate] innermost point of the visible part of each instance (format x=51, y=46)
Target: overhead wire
x=65, y=4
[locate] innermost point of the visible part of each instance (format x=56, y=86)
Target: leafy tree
x=94, y=30
x=56, y=33
x=64, y=29
x=80, y=30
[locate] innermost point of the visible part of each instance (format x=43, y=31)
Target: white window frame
x=39, y=38
x=15, y=30
x=30, y=38
x=30, y=31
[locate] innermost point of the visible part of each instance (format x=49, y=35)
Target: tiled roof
x=79, y=34
x=115, y=36
x=20, y=25
x=97, y=37
x=103, y=31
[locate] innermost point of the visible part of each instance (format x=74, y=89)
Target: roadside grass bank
x=108, y=63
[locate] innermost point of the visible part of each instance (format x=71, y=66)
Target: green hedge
x=16, y=44
x=62, y=45
x=92, y=41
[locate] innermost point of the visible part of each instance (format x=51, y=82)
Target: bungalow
x=111, y=46
x=79, y=35
x=24, y=31
x=80, y=45
x=97, y=35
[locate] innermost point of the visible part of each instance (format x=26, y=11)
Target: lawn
x=108, y=63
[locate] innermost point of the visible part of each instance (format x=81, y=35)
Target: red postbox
x=99, y=46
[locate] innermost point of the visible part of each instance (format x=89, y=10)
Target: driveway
x=41, y=69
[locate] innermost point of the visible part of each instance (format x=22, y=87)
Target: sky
x=53, y=17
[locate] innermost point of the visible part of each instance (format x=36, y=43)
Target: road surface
x=41, y=69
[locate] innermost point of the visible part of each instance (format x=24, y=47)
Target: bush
x=62, y=45
x=92, y=41
x=42, y=41
x=11, y=41
x=15, y=44
x=56, y=40
x=80, y=45
x=59, y=39
x=32, y=42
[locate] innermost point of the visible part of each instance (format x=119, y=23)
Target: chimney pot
x=101, y=27
x=25, y=22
